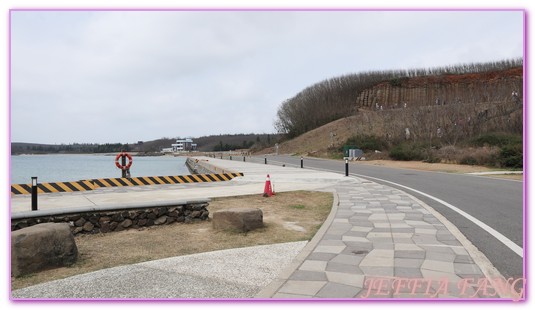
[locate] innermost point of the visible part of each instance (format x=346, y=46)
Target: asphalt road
x=495, y=202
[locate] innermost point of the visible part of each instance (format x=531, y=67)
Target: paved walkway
x=378, y=242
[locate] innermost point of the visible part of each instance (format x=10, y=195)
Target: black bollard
x=301, y=161
x=265, y=160
x=243, y=158
x=230, y=157
x=347, y=168
x=34, y=193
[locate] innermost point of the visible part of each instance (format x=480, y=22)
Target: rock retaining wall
x=117, y=220
x=204, y=167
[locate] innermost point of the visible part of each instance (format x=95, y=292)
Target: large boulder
x=42, y=246
x=241, y=219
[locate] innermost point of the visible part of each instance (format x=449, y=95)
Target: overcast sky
x=124, y=76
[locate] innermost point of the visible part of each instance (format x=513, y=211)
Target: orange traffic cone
x=268, y=191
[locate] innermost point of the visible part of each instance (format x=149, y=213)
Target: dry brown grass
x=307, y=210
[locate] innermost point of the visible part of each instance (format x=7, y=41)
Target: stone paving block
x=381, y=240
x=332, y=237
x=459, y=251
x=435, y=265
x=404, y=272
x=463, y=259
x=377, y=262
x=425, y=239
x=357, y=248
x=425, y=231
x=344, y=268
x=396, y=216
x=466, y=269
x=401, y=227
x=381, y=230
x=444, y=257
x=331, y=243
x=362, y=228
x=389, y=253
x=329, y=249
x=409, y=254
x=347, y=259
x=437, y=275
x=290, y=296
x=407, y=247
x=313, y=265
x=378, y=217
x=402, y=235
x=336, y=290
x=377, y=271
x=341, y=221
x=357, y=234
x=383, y=246
x=379, y=235
x=353, y=238
x=309, y=288
x=418, y=224
x=356, y=280
x=382, y=225
x=304, y=275
x=451, y=242
x=321, y=256
x=408, y=262
x=440, y=248
x=402, y=240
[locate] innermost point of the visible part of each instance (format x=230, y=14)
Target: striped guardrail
x=87, y=185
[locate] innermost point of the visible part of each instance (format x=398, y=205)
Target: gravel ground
x=234, y=273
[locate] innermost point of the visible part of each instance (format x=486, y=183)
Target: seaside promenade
x=378, y=242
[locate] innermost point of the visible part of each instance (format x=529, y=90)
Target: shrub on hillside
x=511, y=156
x=407, y=151
x=497, y=139
x=368, y=143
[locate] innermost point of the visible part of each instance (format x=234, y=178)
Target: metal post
x=265, y=160
x=123, y=162
x=221, y=155
x=301, y=161
x=34, y=193
x=230, y=157
x=243, y=158
x=347, y=168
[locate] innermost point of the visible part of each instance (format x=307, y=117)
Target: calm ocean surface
x=58, y=168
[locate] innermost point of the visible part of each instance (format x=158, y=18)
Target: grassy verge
x=283, y=213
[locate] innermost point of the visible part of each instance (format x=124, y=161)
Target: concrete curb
x=276, y=284
x=110, y=207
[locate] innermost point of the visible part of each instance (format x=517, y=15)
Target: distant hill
x=204, y=144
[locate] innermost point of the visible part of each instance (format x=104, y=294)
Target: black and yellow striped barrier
x=76, y=186
x=87, y=185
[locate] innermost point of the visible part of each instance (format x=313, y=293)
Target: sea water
x=68, y=167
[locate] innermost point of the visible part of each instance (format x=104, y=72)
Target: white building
x=184, y=145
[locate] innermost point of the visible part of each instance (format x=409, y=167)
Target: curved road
x=497, y=203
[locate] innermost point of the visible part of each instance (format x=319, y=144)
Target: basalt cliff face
x=488, y=87
x=445, y=109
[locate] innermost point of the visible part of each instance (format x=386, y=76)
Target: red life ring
x=120, y=155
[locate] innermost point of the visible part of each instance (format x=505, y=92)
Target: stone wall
x=105, y=221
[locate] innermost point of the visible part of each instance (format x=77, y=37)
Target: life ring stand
x=119, y=165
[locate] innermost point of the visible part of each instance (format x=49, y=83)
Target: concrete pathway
x=378, y=242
